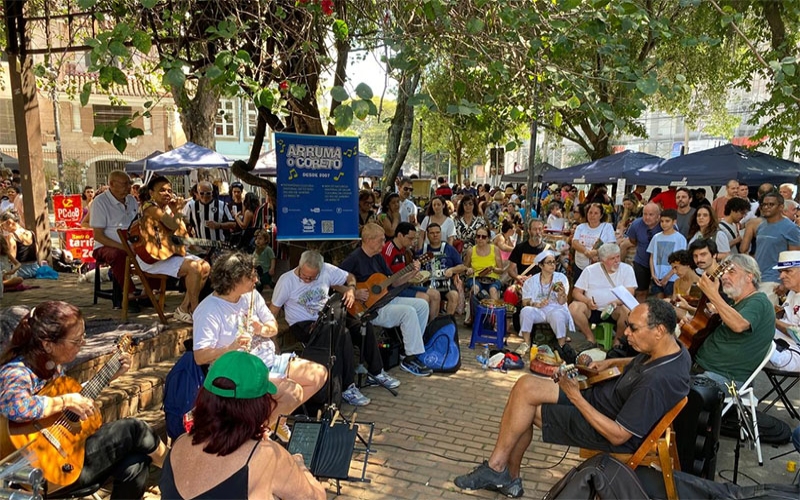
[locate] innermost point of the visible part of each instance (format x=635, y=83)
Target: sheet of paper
x=625, y=296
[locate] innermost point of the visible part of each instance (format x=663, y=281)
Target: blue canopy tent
x=367, y=166
x=522, y=176
x=137, y=167
x=716, y=166
x=187, y=157
x=622, y=165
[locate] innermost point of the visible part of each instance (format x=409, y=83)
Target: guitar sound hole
x=72, y=417
x=67, y=468
x=375, y=289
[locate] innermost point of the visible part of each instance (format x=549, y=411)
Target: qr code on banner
x=327, y=227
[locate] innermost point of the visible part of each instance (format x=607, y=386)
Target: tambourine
x=420, y=278
x=497, y=304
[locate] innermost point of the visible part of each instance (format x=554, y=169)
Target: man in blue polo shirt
x=640, y=233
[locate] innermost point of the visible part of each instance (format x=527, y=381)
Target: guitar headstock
x=723, y=268
x=126, y=343
x=425, y=258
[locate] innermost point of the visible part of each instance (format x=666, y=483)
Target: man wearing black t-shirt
x=523, y=256
x=410, y=314
x=614, y=416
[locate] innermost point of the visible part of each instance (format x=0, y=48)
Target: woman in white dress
x=544, y=299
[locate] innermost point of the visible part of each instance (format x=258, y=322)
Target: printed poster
x=317, y=179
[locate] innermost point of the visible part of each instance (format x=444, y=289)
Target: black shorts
x=642, y=274
x=563, y=424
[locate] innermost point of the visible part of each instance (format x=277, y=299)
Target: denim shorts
x=485, y=286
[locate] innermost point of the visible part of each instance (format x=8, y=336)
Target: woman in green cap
x=227, y=454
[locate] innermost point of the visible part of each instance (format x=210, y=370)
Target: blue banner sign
x=317, y=179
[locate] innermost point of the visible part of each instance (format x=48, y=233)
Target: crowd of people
x=564, y=269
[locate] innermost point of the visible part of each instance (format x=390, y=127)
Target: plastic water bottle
x=484, y=357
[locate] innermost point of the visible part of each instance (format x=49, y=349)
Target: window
x=109, y=115
x=7, y=127
x=225, y=125
x=252, y=119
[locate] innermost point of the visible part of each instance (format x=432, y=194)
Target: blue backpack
x=442, y=352
x=180, y=390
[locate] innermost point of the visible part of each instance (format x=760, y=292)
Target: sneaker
x=523, y=350
x=182, y=315
x=513, y=489
x=283, y=433
x=354, y=397
x=415, y=367
x=484, y=477
x=383, y=379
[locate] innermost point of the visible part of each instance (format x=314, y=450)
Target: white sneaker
x=183, y=316
x=383, y=379
x=354, y=397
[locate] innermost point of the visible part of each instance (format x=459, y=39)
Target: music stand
x=364, y=320
x=746, y=429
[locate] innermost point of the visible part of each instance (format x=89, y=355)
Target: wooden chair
x=132, y=265
x=657, y=448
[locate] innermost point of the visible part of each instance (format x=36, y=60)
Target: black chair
x=782, y=382
x=114, y=294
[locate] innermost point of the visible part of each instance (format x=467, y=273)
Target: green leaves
x=86, y=92
x=111, y=75
x=343, y=117
x=364, y=91
x=647, y=86
x=340, y=30
x=175, y=77
x=339, y=93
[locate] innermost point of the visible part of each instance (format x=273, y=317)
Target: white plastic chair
x=749, y=399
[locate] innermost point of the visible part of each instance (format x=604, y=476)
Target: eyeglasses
x=77, y=342
x=411, y=190
x=548, y=262
x=205, y=193
x=769, y=204
x=481, y=237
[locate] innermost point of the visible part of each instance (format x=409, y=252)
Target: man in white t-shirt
x=408, y=209
x=787, y=353
x=115, y=208
x=592, y=295
x=303, y=293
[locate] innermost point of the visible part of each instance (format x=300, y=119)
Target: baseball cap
x=138, y=182
x=248, y=373
x=237, y=185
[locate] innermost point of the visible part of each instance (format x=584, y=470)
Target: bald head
x=651, y=214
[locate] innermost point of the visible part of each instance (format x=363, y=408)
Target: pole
x=420, y=148
x=57, y=125
x=532, y=174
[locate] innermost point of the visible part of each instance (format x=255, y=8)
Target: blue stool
x=488, y=326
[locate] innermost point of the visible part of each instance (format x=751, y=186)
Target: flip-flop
x=567, y=339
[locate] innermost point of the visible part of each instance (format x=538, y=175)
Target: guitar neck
x=99, y=382
x=397, y=276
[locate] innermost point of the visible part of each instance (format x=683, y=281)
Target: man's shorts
x=411, y=291
x=563, y=424
x=666, y=289
x=496, y=284
x=642, y=274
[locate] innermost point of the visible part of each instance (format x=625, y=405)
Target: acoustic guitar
x=378, y=284
x=695, y=332
x=585, y=376
x=56, y=444
x=152, y=241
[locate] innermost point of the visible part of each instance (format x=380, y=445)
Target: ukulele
x=56, y=443
x=152, y=241
x=695, y=332
x=378, y=284
x=585, y=376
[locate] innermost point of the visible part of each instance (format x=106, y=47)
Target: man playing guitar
x=159, y=211
x=46, y=339
x=736, y=347
x=394, y=253
x=614, y=416
x=410, y=314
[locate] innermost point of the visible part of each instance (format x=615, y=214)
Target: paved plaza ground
x=441, y=426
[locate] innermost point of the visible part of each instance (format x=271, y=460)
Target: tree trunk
x=401, y=128
x=198, y=112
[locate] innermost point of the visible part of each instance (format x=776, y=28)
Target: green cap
x=249, y=374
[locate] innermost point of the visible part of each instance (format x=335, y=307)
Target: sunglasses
x=408, y=189
x=481, y=237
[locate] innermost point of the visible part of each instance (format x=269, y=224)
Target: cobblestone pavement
x=441, y=426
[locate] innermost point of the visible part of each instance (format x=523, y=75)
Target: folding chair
x=749, y=399
x=132, y=265
x=657, y=448
x=778, y=378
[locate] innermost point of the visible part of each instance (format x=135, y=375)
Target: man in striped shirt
x=209, y=217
